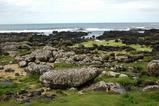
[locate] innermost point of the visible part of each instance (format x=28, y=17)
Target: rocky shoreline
x=115, y=62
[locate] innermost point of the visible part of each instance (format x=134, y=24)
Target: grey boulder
x=108, y=87
x=38, y=69
x=22, y=64
x=69, y=78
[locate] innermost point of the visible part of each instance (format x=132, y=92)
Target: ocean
x=93, y=28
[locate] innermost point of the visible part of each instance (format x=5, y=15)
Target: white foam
x=105, y=29
x=49, y=31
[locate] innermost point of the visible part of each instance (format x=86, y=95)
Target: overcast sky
x=69, y=11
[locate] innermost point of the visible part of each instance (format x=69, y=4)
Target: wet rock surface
x=26, y=96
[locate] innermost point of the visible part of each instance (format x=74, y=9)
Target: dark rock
x=48, y=96
x=36, y=93
x=1, y=67
x=17, y=74
x=156, y=48
x=9, y=70
x=22, y=92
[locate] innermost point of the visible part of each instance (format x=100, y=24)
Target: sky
x=78, y=11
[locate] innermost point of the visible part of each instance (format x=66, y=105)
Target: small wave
x=49, y=31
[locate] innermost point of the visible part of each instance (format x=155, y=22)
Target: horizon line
x=77, y=23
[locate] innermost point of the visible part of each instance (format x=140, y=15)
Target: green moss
x=90, y=43
x=140, y=99
x=30, y=78
x=141, y=48
x=5, y=87
x=104, y=43
x=148, y=78
x=126, y=81
x=6, y=59
x=145, y=79
x=24, y=83
x=140, y=66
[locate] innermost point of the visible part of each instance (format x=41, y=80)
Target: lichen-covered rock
x=112, y=74
x=42, y=55
x=27, y=58
x=108, y=87
x=109, y=74
x=22, y=64
x=153, y=67
x=99, y=86
x=69, y=78
x=39, y=69
x=123, y=76
x=118, y=68
x=49, y=48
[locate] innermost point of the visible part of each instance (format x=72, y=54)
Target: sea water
x=93, y=28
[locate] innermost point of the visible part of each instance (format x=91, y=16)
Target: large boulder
x=39, y=69
x=153, y=67
x=69, y=78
